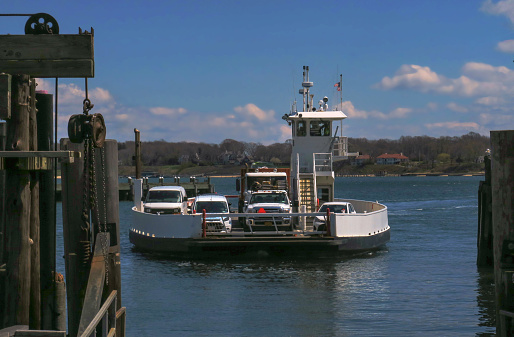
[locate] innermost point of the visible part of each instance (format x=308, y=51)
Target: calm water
x=424, y=283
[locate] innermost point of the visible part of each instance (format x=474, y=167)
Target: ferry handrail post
x=328, y=222
x=274, y=223
x=204, y=223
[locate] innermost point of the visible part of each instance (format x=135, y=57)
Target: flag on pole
x=338, y=85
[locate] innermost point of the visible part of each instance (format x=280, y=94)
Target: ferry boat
x=317, y=142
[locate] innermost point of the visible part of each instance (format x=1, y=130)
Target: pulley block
x=97, y=130
x=77, y=128
x=91, y=126
x=41, y=23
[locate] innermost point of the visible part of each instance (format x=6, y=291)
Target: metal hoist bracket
x=83, y=126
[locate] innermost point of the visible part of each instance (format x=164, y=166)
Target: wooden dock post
x=16, y=297
x=47, y=218
x=35, y=265
x=502, y=183
x=485, y=255
x=75, y=234
x=3, y=131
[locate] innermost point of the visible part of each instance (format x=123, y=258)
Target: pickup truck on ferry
x=269, y=202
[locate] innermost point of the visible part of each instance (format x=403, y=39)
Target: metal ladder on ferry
x=308, y=195
x=308, y=191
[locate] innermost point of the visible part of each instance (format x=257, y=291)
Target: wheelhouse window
x=320, y=128
x=301, y=128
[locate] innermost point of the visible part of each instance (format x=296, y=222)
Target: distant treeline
x=229, y=151
x=467, y=147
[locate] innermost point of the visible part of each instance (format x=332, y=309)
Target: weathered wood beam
x=47, y=55
x=46, y=47
x=96, y=282
x=5, y=96
x=49, y=68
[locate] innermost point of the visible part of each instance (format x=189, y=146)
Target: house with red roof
x=361, y=160
x=391, y=159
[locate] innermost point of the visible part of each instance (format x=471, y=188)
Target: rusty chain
x=90, y=201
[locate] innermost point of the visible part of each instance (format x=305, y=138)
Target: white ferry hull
x=183, y=234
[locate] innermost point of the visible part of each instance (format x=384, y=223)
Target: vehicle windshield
x=163, y=196
x=270, y=182
x=279, y=198
x=333, y=208
x=212, y=206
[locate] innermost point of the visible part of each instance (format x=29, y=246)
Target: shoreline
x=421, y=174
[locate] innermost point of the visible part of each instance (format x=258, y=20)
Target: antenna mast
x=341, y=90
x=305, y=90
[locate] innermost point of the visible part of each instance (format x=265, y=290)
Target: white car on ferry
x=214, y=203
x=166, y=200
x=334, y=207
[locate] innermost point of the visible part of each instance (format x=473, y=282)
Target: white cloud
x=454, y=125
x=122, y=117
x=253, y=110
x=504, y=7
x=456, y=107
x=487, y=73
x=478, y=79
x=161, y=111
x=490, y=101
x=432, y=106
x=411, y=76
x=496, y=120
x=399, y=113
x=73, y=94
x=349, y=109
x=506, y=46
x=285, y=133
x=100, y=95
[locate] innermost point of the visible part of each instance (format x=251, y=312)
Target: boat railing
x=298, y=224
x=322, y=162
x=340, y=146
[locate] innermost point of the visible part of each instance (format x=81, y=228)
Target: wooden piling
x=3, y=131
x=74, y=234
x=502, y=183
x=59, y=317
x=35, y=287
x=485, y=255
x=17, y=211
x=47, y=218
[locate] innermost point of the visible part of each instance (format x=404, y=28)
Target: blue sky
x=205, y=71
